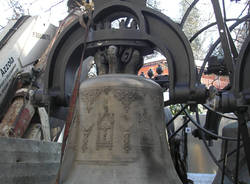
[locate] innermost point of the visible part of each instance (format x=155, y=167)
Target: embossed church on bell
x=105, y=130
x=118, y=134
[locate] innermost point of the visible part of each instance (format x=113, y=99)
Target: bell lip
x=114, y=80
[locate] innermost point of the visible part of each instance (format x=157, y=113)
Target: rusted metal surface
x=77, y=84
x=28, y=161
x=7, y=124
x=17, y=119
x=23, y=120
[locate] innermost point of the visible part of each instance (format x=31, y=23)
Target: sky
x=172, y=9
x=37, y=7
x=205, y=6
x=55, y=10
x=59, y=9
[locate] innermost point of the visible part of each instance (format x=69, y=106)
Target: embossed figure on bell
x=118, y=134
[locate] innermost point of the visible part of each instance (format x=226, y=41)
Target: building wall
x=153, y=66
x=218, y=81
x=209, y=80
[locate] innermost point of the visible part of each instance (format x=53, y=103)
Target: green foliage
x=177, y=108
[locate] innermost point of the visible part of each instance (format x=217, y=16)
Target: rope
x=76, y=87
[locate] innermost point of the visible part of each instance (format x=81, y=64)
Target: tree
x=17, y=9
x=191, y=26
x=241, y=32
x=155, y=4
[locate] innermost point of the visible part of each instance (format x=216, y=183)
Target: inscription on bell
x=126, y=97
x=89, y=98
x=86, y=133
x=126, y=145
x=105, y=130
x=146, y=129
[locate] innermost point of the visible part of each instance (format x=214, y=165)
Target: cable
x=207, y=131
x=176, y=115
x=227, y=173
x=181, y=127
x=224, y=116
x=212, y=48
x=74, y=96
x=205, y=28
x=230, y=154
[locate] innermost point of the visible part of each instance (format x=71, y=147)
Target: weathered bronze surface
x=118, y=134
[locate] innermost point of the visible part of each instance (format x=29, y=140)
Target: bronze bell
x=118, y=134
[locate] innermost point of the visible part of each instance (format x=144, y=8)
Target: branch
x=1, y=27
x=243, y=10
x=188, y=12
x=54, y=5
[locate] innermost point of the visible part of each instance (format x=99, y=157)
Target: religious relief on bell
x=146, y=138
x=85, y=140
x=105, y=129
